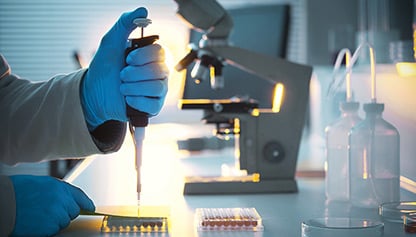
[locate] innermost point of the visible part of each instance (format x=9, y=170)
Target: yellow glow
x=237, y=149
x=408, y=184
x=170, y=62
x=255, y=112
x=256, y=177
x=406, y=69
x=236, y=126
x=365, y=162
x=373, y=74
x=414, y=40
x=278, y=97
x=237, y=152
x=211, y=72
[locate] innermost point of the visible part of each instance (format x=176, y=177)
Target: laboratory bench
x=110, y=180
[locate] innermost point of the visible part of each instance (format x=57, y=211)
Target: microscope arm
x=207, y=16
x=269, y=68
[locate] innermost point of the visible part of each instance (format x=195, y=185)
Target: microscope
x=266, y=139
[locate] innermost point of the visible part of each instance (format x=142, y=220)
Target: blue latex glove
x=109, y=84
x=45, y=205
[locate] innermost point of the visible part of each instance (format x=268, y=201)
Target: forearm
x=41, y=121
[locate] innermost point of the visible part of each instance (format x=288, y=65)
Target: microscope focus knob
x=273, y=152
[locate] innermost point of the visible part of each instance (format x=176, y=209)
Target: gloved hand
x=45, y=205
x=109, y=84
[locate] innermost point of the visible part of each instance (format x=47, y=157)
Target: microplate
x=228, y=219
x=125, y=224
x=134, y=219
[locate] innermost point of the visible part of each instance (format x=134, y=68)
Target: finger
x=72, y=209
x=49, y=228
x=124, y=26
x=148, y=105
x=154, y=88
x=63, y=219
x=83, y=201
x=152, y=71
x=57, y=219
x=145, y=55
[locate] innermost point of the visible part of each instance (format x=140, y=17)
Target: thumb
x=124, y=26
x=83, y=201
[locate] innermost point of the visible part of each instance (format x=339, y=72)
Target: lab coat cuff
x=109, y=136
x=7, y=206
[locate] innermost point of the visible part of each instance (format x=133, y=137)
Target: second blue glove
x=45, y=205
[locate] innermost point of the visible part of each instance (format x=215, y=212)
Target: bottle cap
x=349, y=106
x=373, y=108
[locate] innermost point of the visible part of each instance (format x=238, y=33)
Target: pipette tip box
x=228, y=219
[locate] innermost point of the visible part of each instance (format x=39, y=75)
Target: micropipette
x=138, y=120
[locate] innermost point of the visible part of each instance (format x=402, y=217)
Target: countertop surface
x=110, y=181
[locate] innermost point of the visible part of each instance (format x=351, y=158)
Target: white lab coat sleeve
x=7, y=206
x=42, y=121
x=45, y=120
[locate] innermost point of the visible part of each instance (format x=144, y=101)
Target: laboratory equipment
x=409, y=223
x=374, y=153
x=117, y=224
x=401, y=51
x=228, y=219
x=266, y=140
x=337, y=165
x=374, y=159
x=138, y=120
x=375, y=27
x=274, y=45
x=402, y=55
x=132, y=219
x=395, y=211
x=342, y=227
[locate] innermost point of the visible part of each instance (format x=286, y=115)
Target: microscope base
x=241, y=187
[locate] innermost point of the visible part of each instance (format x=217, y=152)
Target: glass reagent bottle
x=337, y=171
x=374, y=160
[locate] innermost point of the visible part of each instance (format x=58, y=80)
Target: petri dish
x=395, y=211
x=342, y=227
x=409, y=223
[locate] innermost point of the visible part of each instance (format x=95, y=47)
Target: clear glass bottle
x=337, y=172
x=374, y=156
